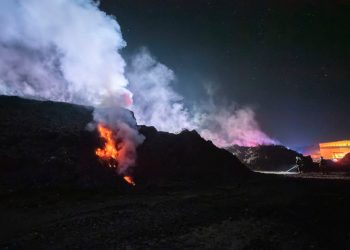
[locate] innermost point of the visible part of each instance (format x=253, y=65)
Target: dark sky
x=287, y=59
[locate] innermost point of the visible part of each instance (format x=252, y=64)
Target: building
x=334, y=150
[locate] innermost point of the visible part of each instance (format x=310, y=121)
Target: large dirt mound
x=184, y=156
x=46, y=144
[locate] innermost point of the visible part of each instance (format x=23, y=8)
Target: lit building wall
x=334, y=150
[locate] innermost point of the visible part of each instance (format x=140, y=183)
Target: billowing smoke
x=66, y=50
x=157, y=104
x=155, y=101
x=229, y=125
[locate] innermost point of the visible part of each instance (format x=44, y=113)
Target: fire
x=129, y=180
x=109, y=152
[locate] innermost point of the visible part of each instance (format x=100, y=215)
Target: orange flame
x=109, y=151
x=129, y=180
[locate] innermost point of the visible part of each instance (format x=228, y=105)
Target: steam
x=67, y=50
x=157, y=104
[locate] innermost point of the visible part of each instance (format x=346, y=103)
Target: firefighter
x=299, y=163
x=322, y=165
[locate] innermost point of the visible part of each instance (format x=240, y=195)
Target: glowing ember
x=110, y=152
x=129, y=180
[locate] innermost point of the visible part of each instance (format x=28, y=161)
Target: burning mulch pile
x=270, y=157
x=46, y=144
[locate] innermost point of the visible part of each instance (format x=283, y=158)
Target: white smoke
x=67, y=50
x=63, y=50
x=156, y=103
x=229, y=125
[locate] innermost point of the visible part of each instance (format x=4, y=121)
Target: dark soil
x=265, y=212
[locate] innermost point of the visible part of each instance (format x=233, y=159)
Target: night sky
x=288, y=60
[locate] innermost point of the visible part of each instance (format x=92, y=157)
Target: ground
x=263, y=212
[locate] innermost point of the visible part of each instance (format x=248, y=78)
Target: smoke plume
x=156, y=103
x=67, y=50
x=62, y=50
x=230, y=125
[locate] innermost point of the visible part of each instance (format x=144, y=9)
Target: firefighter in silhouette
x=299, y=164
x=322, y=165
